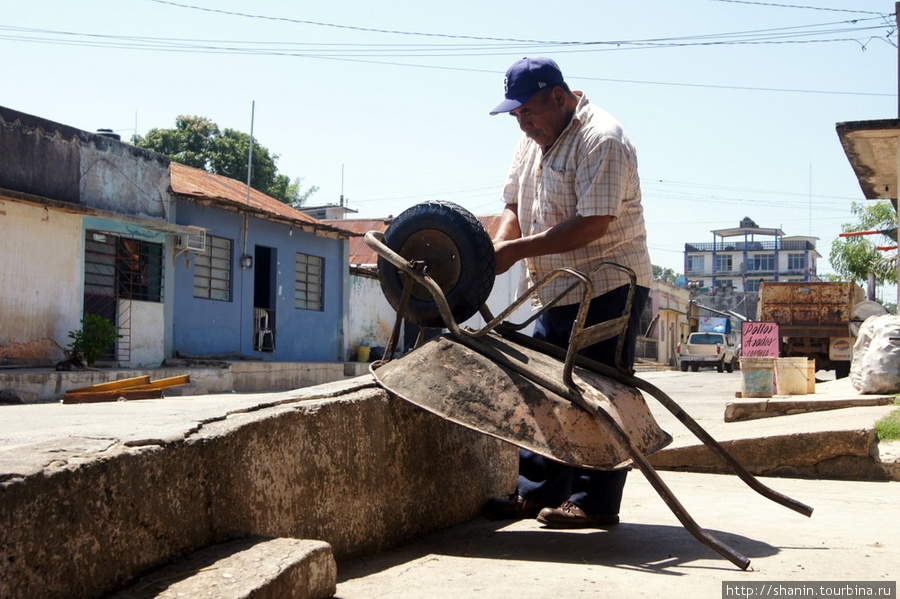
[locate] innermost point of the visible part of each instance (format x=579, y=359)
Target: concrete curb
x=147, y=482
x=750, y=410
x=846, y=455
x=254, y=568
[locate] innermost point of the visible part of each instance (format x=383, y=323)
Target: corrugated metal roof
x=232, y=194
x=360, y=253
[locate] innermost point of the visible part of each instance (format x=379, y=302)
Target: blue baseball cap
x=525, y=78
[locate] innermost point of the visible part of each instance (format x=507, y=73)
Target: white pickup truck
x=706, y=349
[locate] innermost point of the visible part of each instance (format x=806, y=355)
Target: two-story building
x=739, y=258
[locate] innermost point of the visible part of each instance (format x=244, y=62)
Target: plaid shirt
x=591, y=170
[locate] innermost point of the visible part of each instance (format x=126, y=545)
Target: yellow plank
x=174, y=381
x=114, y=385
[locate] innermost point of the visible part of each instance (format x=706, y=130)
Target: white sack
x=876, y=356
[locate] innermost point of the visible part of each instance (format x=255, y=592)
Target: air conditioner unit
x=192, y=242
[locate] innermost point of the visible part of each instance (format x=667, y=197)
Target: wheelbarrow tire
x=458, y=252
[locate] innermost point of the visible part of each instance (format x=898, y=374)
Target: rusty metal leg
x=720, y=451
x=624, y=440
x=676, y=410
x=395, y=334
x=659, y=485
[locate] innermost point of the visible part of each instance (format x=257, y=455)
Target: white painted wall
x=147, y=323
x=40, y=280
x=370, y=315
x=372, y=318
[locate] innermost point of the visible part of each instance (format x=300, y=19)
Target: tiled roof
x=360, y=253
x=232, y=195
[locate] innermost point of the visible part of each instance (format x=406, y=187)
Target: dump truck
x=813, y=319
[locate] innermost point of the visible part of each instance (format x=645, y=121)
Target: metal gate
x=117, y=270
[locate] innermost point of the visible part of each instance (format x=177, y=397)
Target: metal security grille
x=117, y=268
x=308, y=286
x=212, y=270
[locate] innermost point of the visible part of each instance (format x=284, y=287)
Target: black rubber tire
x=729, y=367
x=695, y=368
x=684, y=367
x=720, y=367
x=458, y=252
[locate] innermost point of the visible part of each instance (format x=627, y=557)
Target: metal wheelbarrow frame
x=566, y=387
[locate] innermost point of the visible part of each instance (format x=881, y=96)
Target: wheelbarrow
x=436, y=267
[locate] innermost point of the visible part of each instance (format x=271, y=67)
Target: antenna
x=250, y=151
x=246, y=261
x=342, y=186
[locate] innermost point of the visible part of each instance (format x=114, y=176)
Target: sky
x=732, y=104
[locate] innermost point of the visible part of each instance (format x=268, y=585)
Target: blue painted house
x=181, y=261
x=259, y=278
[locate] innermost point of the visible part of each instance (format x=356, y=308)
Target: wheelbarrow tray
x=460, y=384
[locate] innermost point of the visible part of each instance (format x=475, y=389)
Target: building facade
x=738, y=259
x=180, y=261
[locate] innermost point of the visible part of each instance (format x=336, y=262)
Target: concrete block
x=362, y=470
x=825, y=454
x=255, y=568
x=752, y=410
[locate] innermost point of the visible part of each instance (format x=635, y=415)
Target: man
x=573, y=199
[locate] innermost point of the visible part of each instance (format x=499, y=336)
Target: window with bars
x=308, y=282
x=122, y=267
x=212, y=270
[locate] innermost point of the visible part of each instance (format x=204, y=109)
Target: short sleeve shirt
x=591, y=170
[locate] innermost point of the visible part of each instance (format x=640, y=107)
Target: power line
x=821, y=8
x=664, y=42
x=328, y=52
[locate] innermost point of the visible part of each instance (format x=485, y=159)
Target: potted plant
x=94, y=339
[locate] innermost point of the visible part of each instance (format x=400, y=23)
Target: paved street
x=853, y=534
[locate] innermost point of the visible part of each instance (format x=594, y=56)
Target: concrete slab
x=244, y=569
x=93, y=498
x=838, y=443
x=853, y=535
x=47, y=450
x=146, y=421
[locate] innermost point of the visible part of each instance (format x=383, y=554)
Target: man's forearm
x=509, y=224
x=566, y=236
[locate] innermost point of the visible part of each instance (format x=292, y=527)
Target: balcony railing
x=751, y=274
x=750, y=246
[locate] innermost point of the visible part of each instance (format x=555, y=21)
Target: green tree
x=853, y=258
x=198, y=142
x=664, y=274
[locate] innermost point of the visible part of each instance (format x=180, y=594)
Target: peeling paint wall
x=371, y=316
x=62, y=163
x=40, y=289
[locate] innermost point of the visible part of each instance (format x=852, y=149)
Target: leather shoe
x=514, y=507
x=569, y=515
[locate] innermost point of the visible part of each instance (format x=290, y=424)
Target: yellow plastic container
x=791, y=375
x=362, y=353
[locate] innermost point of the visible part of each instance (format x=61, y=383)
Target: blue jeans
x=597, y=492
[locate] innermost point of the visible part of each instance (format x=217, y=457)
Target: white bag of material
x=876, y=356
